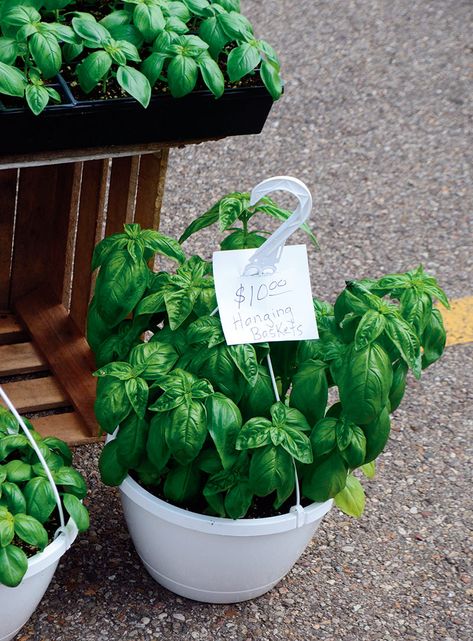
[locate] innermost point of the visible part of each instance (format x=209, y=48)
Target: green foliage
x=135, y=44
x=199, y=420
x=27, y=503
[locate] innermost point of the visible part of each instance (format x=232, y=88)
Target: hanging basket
x=18, y=604
x=215, y=560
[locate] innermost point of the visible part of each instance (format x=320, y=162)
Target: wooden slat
x=21, y=358
x=42, y=225
x=8, y=179
x=150, y=192
x=37, y=394
x=68, y=426
x=122, y=192
x=65, y=349
x=94, y=182
x=10, y=330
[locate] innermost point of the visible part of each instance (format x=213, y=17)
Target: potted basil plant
x=33, y=533
x=224, y=476
x=130, y=72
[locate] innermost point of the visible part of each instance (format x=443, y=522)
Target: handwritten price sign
x=265, y=308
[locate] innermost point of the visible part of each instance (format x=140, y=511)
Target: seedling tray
x=79, y=124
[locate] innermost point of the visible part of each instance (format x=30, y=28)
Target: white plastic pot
x=18, y=604
x=215, y=560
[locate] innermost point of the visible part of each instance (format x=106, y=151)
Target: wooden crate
x=51, y=217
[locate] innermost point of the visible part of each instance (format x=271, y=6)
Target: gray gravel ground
x=377, y=119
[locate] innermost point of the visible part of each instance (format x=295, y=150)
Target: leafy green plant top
x=198, y=420
x=28, y=508
x=135, y=44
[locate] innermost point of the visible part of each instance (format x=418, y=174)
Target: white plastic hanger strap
x=297, y=508
x=266, y=257
x=62, y=529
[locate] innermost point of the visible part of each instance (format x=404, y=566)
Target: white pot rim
x=53, y=551
x=222, y=526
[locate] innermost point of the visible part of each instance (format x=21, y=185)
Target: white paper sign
x=265, y=308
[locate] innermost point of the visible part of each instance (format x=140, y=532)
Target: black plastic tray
x=79, y=124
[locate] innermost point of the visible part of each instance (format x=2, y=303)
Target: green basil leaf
x=137, y=391
x=135, y=83
x=91, y=31
x=18, y=471
x=224, y=425
x=15, y=501
x=402, y=336
x=354, y=450
x=271, y=469
x=127, y=32
x=310, y=390
x=271, y=79
x=182, y=483
x=179, y=305
x=131, y=439
x=238, y=500
x=398, y=387
x=241, y=240
x=156, y=446
x=152, y=67
x=12, y=81
x=371, y=325
x=71, y=479
x=37, y=97
x=119, y=287
x=369, y=469
x=20, y=15
x=255, y=433
x=212, y=75
x=12, y=442
x=112, y=404
x=198, y=7
x=77, y=511
x=46, y=53
x=259, y=397
x=244, y=357
x=274, y=211
x=351, y=500
x=7, y=530
x=187, y=431
x=242, y=60
x=106, y=248
x=416, y=309
x=325, y=478
x=182, y=75
x=153, y=359
x=29, y=530
x=40, y=501
x=9, y=50
x=122, y=371
x=434, y=339
x=236, y=26
x=377, y=434
x=163, y=245
x=205, y=220
x=116, y=18
x=149, y=20
x=111, y=471
x=297, y=444
x=13, y=565
x=365, y=382
x=213, y=33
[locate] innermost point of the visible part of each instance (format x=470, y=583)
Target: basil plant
x=132, y=45
x=197, y=421
x=28, y=511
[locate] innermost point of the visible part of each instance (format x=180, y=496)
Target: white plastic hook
x=265, y=258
